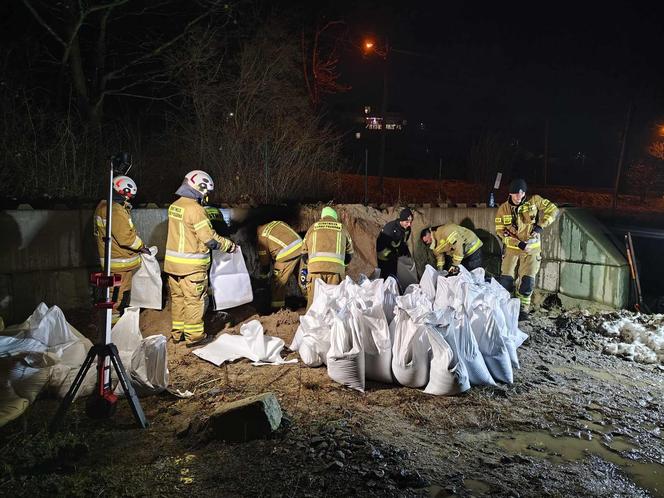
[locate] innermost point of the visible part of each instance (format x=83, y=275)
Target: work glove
x=233, y=247
x=145, y=250
x=527, y=246
x=537, y=229
x=454, y=270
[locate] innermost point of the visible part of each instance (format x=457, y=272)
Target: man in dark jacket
x=392, y=242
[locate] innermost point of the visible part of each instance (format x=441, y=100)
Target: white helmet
x=199, y=180
x=125, y=186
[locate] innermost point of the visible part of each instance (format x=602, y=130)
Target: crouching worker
x=326, y=250
x=126, y=245
x=190, y=240
x=453, y=245
x=519, y=223
x=279, y=244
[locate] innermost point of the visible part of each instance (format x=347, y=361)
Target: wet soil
x=575, y=422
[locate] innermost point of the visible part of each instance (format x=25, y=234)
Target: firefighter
x=217, y=220
x=190, y=240
x=392, y=242
x=519, y=223
x=326, y=250
x=278, y=243
x=453, y=245
x=126, y=245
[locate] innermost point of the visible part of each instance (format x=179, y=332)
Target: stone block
x=246, y=419
x=40, y=240
x=548, y=278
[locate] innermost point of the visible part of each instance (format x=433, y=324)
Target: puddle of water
x=649, y=476
x=602, y=375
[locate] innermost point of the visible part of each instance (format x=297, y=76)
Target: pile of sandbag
x=444, y=334
x=45, y=353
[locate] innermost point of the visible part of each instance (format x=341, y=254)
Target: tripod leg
x=134, y=403
x=73, y=389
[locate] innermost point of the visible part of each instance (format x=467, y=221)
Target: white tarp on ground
x=445, y=333
x=229, y=280
x=146, y=283
x=45, y=353
x=252, y=343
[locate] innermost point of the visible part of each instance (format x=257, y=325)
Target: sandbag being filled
x=146, y=282
x=229, y=280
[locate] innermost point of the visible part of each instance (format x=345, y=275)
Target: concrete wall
x=47, y=255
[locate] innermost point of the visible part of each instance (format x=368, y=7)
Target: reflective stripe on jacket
x=326, y=244
x=454, y=241
x=189, y=229
x=514, y=224
x=277, y=242
x=392, y=241
x=125, y=242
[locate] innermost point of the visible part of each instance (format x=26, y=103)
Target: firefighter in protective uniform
x=519, y=223
x=190, y=240
x=126, y=245
x=278, y=243
x=453, y=245
x=326, y=250
x=392, y=242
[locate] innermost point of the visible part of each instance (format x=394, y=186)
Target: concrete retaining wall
x=47, y=255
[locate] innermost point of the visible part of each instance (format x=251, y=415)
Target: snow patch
x=638, y=338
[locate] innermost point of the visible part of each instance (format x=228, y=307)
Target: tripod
x=103, y=402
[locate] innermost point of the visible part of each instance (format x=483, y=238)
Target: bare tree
x=252, y=125
x=320, y=60
x=81, y=31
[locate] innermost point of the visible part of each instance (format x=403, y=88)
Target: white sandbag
x=252, y=344
x=456, y=331
x=488, y=326
x=428, y=282
x=229, y=280
x=146, y=283
x=515, y=336
x=410, y=351
x=144, y=359
x=447, y=375
x=345, y=359
x=312, y=340
x=406, y=271
x=12, y=405
x=390, y=293
x=376, y=341
x=149, y=366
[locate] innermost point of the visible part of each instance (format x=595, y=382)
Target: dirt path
x=574, y=423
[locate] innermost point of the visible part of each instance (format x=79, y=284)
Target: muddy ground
x=575, y=422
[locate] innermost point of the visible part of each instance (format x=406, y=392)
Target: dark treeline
x=216, y=85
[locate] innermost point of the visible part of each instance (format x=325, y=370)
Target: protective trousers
x=188, y=296
x=388, y=268
x=328, y=278
x=124, y=294
x=282, y=272
x=528, y=265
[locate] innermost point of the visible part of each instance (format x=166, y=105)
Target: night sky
x=506, y=67
x=473, y=68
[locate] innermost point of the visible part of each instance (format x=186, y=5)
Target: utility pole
x=383, y=128
x=621, y=158
x=546, y=151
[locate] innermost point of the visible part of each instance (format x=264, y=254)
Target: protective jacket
x=217, y=220
x=190, y=236
x=454, y=241
x=327, y=247
x=125, y=242
x=392, y=242
x=515, y=225
x=277, y=242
